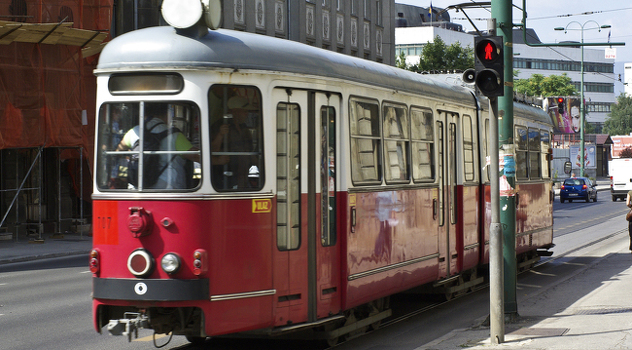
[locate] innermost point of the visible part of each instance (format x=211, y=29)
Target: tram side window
x=522, y=150
x=545, y=146
x=422, y=142
x=236, y=138
x=166, y=142
x=364, y=132
x=534, y=154
x=396, y=136
x=468, y=148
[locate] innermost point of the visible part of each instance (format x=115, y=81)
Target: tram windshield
x=236, y=138
x=148, y=146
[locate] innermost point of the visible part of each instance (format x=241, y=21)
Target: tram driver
x=170, y=169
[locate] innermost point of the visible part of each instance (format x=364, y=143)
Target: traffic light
x=489, y=65
x=560, y=105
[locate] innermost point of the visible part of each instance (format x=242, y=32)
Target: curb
x=42, y=256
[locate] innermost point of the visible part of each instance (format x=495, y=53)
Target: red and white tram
x=292, y=187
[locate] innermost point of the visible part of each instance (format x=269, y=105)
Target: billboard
x=564, y=112
x=619, y=143
x=590, y=157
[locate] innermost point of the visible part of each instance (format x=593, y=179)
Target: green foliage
x=400, y=61
x=539, y=85
x=620, y=121
x=439, y=56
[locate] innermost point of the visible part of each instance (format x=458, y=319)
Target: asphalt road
x=46, y=304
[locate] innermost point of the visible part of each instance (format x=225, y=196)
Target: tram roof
x=160, y=47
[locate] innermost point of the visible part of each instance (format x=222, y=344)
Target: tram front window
x=236, y=138
x=148, y=146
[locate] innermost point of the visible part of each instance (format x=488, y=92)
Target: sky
x=545, y=15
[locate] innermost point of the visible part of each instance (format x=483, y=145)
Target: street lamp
x=582, y=109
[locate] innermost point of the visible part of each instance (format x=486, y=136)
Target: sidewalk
x=50, y=246
x=591, y=309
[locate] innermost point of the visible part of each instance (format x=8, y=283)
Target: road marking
x=150, y=337
x=86, y=271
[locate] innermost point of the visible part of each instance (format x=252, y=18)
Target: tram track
x=429, y=307
x=590, y=223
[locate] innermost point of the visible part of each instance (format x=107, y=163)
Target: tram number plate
x=261, y=205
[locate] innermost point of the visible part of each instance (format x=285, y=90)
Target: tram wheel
x=195, y=340
x=378, y=306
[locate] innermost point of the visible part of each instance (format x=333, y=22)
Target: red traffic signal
x=487, y=50
x=560, y=105
x=489, y=65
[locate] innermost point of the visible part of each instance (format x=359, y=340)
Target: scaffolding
x=32, y=184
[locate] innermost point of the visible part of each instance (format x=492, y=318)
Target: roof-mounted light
x=187, y=13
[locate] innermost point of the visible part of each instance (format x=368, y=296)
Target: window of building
x=18, y=10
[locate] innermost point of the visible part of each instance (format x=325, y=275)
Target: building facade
x=599, y=77
x=361, y=28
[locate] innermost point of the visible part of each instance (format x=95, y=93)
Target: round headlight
x=170, y=263
x=182, y=13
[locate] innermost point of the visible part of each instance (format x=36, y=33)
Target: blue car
x=578, y=188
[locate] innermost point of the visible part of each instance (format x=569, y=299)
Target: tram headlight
x=186, y=13
x=170, y=263
x=182, y=13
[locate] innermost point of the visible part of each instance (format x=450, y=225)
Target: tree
x=552, y=85
x=400, y=61
x=626, y=153
x=439, y=56
x=620, y=121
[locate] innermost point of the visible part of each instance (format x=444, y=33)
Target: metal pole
x=582, y=110
x=39, y=194
x=81, y=189
x=501, y=10
x=496, y=295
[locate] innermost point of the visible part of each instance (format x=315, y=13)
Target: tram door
x=448, y=133
x=306, y=263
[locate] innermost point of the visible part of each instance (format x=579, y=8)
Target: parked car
x=578, y=188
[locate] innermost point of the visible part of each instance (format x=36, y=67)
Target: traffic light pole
x=501, y=11
x=496, y=297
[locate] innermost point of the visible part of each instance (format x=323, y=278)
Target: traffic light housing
x=489, y=65
x=560, y=105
